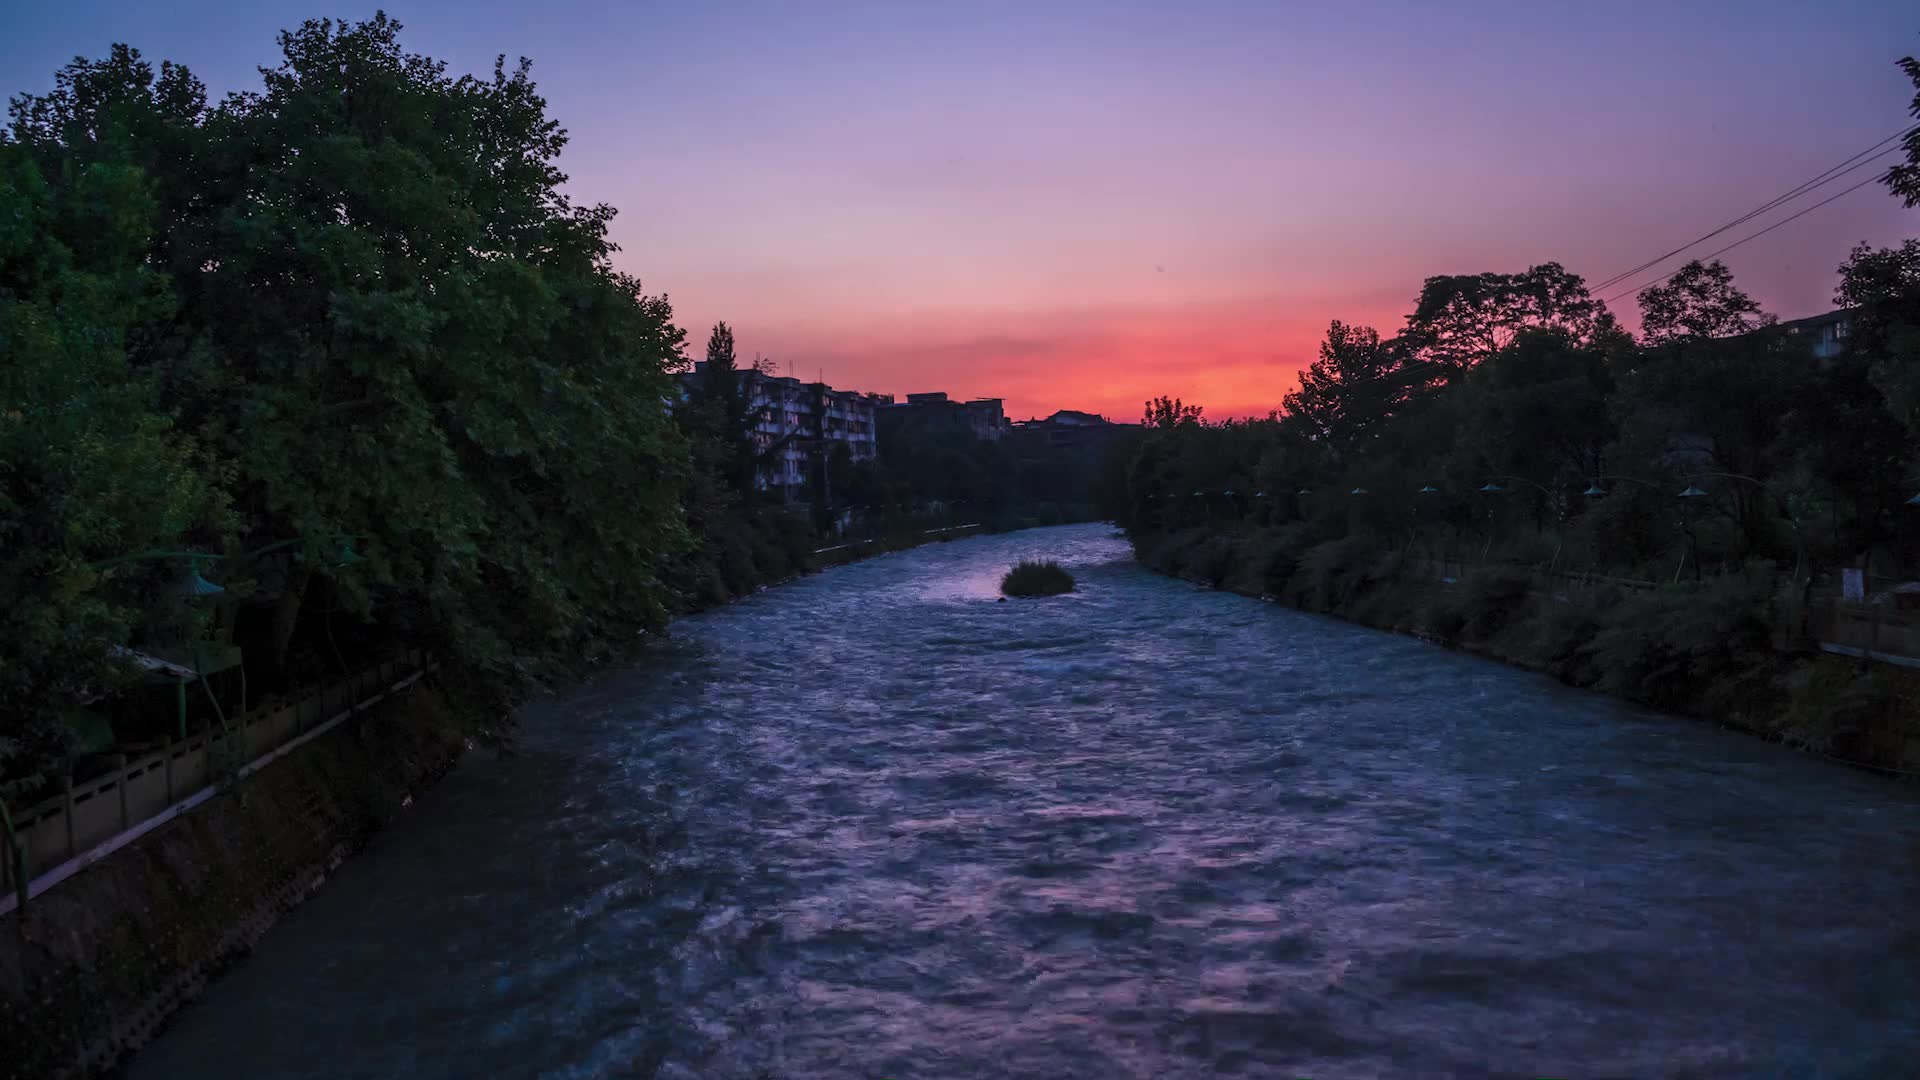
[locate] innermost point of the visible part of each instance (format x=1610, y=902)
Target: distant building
x=983, y=418
x=1069, y=430
x=1825, y=335
x=803, y=421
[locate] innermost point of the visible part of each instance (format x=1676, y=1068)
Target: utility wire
x=1877, y=178
x=1878, y=149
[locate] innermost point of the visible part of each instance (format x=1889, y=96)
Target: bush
x=1671, y=647
x=1329, y=574
x=1493, y=599
x=1212, y=560
x=1030, y=578
x=1563, y=634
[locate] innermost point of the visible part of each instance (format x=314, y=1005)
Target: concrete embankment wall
x=96, y=965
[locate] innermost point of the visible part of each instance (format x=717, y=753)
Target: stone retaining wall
x=98, y=964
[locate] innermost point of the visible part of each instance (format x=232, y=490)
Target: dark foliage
x=1044, y=578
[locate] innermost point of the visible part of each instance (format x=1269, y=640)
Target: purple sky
x=1084, y=206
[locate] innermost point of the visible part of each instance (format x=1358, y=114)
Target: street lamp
x=1799, y=539
x=346, y=556
x=1596, y=490
x=1358, y=491
x=194, y=585
x=1429, y=490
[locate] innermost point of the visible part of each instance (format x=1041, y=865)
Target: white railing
x=89, y=821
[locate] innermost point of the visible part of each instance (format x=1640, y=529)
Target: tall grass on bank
x=1705, y=648
x=1029, y=578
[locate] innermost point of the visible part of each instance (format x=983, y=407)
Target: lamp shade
x=194, y=585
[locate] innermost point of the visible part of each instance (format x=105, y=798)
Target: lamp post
x=1425, y=489
x=190, y=585
x=1489, y=488
x=1492, y=487
x=1594, y=489
x=1797, y=586
x=1694, y=491
x=193, y=586
x=16, y=856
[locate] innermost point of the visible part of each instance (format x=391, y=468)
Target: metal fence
x=64, y=831
x=1869, y=631
x=1449, y=571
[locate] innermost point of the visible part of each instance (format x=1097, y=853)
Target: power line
x=1755, y=236
x=1834, y=173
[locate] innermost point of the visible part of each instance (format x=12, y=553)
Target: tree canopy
x=352, y=307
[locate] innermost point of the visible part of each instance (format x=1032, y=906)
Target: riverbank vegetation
x=1031, y=577
x=1512, y=471
x=336, y=365
x=343, y=341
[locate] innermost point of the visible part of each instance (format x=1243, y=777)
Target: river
x=875, y=823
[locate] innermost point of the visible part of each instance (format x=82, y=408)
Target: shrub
x=1030, y=578
x=1212, y=560
x=1328, y=573
x=1442, y=616
x=1563, y=634
x=1492, y=600
x=1667, y=648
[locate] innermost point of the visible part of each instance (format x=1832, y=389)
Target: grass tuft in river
x=1029, y=578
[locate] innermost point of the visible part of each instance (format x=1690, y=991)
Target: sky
x=1082, y=205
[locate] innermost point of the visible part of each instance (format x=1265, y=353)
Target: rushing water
x=876, y=824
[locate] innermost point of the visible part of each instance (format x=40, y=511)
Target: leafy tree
x=90, y=468
x=1165, y=412
x=1538, y=409
x=1357, y=384
x=1699, y=301
x=1843, y=432
x=1883, y=286
x=390, y=325
x=1904, y=179
x=722, y=384
x=723, y=378
x=1461, y=319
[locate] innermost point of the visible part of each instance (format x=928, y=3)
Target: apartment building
x=983, y=418
x=795, y=425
